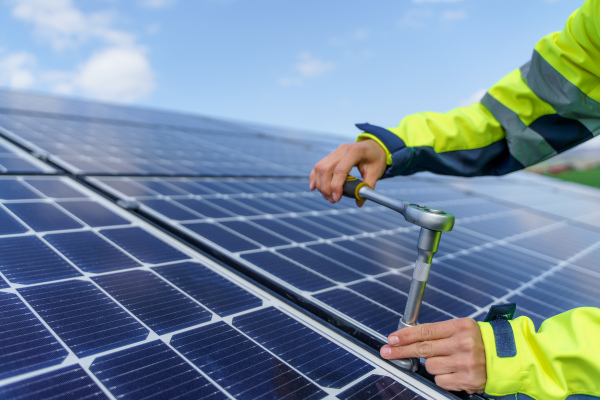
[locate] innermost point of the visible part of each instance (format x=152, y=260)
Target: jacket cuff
x=398, y=156
x=504, y=371
x=365, y=136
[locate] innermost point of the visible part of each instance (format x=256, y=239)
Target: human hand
x=453, y=350
x=329, y=174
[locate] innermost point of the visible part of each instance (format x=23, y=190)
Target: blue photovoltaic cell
x=129, y=188
x=54, y=188
x=169, y=209
x=3, y=284
x=90, y=252
x=15, y=190
x=93, y=213
x=484, y=284
x=263, y=205
x=455, y=241
x=291, y=273
x=43, y=216
x=9, y=225
x=285, y=230
x=351, y=260
x=83, y=317
x=360, y=309
x=191, y=187
x=318, y=358
x=232, y=206
x=15, y=164
x=204, y=208
x=315, y=229
x=257, y=234
x=40, y=263
x=562, y=242
x=474, y=295
x=506, y=225
x=395, y=300
x=156, y=303
x=590, y=261
x=249, y=372
x=212, y=290
x=434, y=297
x=222, y=237
x=62, y=384
x=152, y=370
x=26, y=344
x=377, y=387
x=378, y=251
x=160, y=187
x=143, y=246
x=403, y=254
x=340, y=227
x=321, y=265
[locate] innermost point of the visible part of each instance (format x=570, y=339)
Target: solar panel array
x=73, y=265
x=96, y=303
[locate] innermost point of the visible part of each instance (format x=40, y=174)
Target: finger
x=441, y=365
x=423, y=332
x=312, y=185
x=341, y=172
x=426, y=349
x=326, y=173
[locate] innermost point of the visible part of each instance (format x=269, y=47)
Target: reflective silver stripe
x=526, y=145
x=566, y=98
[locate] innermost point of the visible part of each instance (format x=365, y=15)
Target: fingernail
x=386, y=351
x=393, y=340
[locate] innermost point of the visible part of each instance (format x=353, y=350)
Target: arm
x=561, y=359
x=547, y=106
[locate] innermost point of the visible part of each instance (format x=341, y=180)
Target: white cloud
x=64, y=26
x=117, y=74
x=113, y=74
x=16, y=70
x=473, y=98
x=310, y=67
x=156, y=3
x=307, y=67
x=457, y=15
x=117, y=70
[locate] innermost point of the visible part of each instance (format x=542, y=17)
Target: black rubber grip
x=352, y=186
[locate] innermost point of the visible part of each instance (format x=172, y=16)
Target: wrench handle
x=352, y=187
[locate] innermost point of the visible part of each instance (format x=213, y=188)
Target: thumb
x=370, y=177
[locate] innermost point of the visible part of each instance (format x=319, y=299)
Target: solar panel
x=96, y=303
x=122, y=310
x=85, y=146
x=357, y=264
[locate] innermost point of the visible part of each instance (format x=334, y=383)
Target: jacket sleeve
x=549, y=105
x=560, y=360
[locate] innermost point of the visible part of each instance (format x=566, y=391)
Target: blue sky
x=316, y=65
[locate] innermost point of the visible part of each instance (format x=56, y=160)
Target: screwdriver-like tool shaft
x=432, y=223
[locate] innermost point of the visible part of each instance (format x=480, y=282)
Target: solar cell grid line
x=79, y=335
x=67, y=383
x=80, y=140
x=26, y=343
x=14, y=160
x=453, y=245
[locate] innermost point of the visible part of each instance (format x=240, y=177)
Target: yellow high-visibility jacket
x=547, y=106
